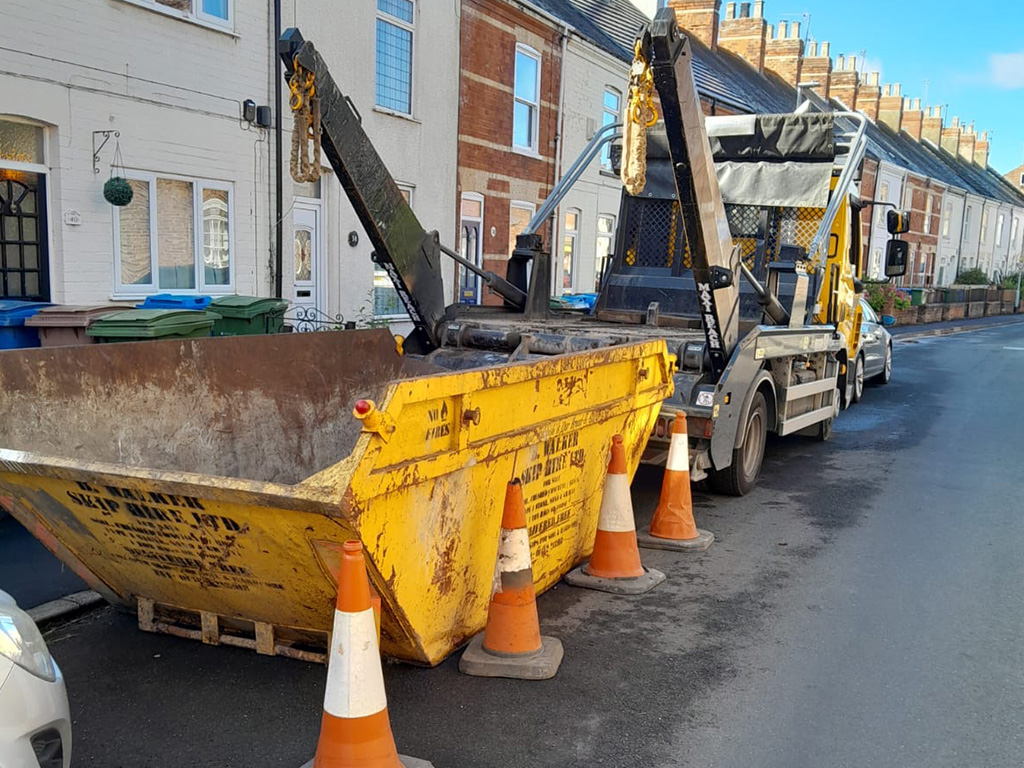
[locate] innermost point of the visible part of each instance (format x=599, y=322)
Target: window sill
x=393, y=113
x=142, y=296
x=183, y=16
x=530, y=153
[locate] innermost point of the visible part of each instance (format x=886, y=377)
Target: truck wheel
x=858, y=379
x=825, y=427
x=740, y=476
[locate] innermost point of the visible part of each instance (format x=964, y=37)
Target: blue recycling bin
x=13, y=314
x=173, y=301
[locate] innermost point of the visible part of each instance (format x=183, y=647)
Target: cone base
x=701, y=543
x=541, y=665
x=580, y=578
x=407, y=762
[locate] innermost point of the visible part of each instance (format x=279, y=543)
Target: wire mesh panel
x=654, y=236
x=793, y=226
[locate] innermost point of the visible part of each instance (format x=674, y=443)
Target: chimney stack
x=950, y=140
x=744, y=35
x=968, y=144
x=912, y=118
x=868, y=96
x=845, y=81
x=817, y=68
x=890, y=107
x=699, y=18
x=784, y=52
x=931, y=125
x=981, y=148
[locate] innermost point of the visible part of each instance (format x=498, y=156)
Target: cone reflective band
x=615, y=550
x=512, y=624
x=511, y=645
x=673, y=526
x=355, y=730
x=615, y=562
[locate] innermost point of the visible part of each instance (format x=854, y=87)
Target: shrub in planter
x=972, y=277
x=886, y=298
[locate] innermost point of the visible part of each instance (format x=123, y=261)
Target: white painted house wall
x=970, y=235
x=950, y=226
x=172, y=87
x=888, y=189
x=419, y=150
x=588, y=71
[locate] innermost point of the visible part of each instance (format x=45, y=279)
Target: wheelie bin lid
x=15, y=312
x=174, y=301
x=151, y=323
x=73, y=315
x=245, y=307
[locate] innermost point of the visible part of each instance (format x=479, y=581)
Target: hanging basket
x=117, y=191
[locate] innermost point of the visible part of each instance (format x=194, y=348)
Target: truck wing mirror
x=896, y=253
x=897, y=222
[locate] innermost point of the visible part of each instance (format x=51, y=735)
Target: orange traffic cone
x=615, y=563
x=355, y=731
x=673, y=526
x=511, y=645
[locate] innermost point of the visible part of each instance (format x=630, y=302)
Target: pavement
x=861, y=607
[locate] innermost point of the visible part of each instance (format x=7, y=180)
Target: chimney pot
x=759, y=9
x=783, y=30
x=794, y=30
x=908, y=103
x=917, y=103
x=840, y=61
x=730, y=11
x=898, y=89
x=824, y=50
x=744, y=10
x=851, y=63
x=812, y=52
x=873, y=79
x=886, y=91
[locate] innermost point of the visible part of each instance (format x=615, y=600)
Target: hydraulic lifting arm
x=716, y=264
x=409, y=254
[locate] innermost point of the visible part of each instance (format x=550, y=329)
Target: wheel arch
x=764, y=384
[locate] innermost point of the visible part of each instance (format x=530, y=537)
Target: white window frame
x=575, y=235
x=387, y=18
x=947, y=214
x=599, y=235
x=606, y=161
x=1000, y=223
x=196, y=15
x=929, y=210
x=122, y=291
x=377, y=272
x=984, y=226
x=883, y=197
x=534, y=148
x=475, y=197
x=522, y=205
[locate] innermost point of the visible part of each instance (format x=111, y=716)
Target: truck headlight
x=21, y=642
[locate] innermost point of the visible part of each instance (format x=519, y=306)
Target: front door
x=24, y=264
x=308, y=282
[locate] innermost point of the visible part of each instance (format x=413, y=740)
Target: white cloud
x=1007, y=70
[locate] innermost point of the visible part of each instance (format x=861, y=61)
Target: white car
x=35, y=722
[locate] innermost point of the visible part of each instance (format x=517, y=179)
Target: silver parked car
x=874, y=362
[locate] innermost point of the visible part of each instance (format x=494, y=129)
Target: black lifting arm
x=715, y=261
x=409, y=254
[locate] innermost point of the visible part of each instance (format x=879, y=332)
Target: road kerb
x=951, y=330
x=63, y=606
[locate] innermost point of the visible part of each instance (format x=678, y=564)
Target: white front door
x=308, y=262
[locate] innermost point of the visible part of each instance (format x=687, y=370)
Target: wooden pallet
x=213, y=629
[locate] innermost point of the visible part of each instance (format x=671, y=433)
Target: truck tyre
x=858, y=379
x=741, y=475
x=886, y=375
x=825, y=427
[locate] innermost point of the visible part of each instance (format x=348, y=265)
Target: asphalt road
x=863, y=607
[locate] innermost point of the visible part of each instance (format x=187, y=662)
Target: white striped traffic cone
x=673, y=526
x=615, y=562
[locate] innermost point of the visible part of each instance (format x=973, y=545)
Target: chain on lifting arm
x=305, y=106
x=641, y=114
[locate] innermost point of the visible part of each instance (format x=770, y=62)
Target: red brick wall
x=922, y=246
x=490, y=30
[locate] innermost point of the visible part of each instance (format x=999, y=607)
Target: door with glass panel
x=306, y=221
x=24, y=263
x=471, y=246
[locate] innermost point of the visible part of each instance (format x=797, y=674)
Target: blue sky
x=971, y=54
